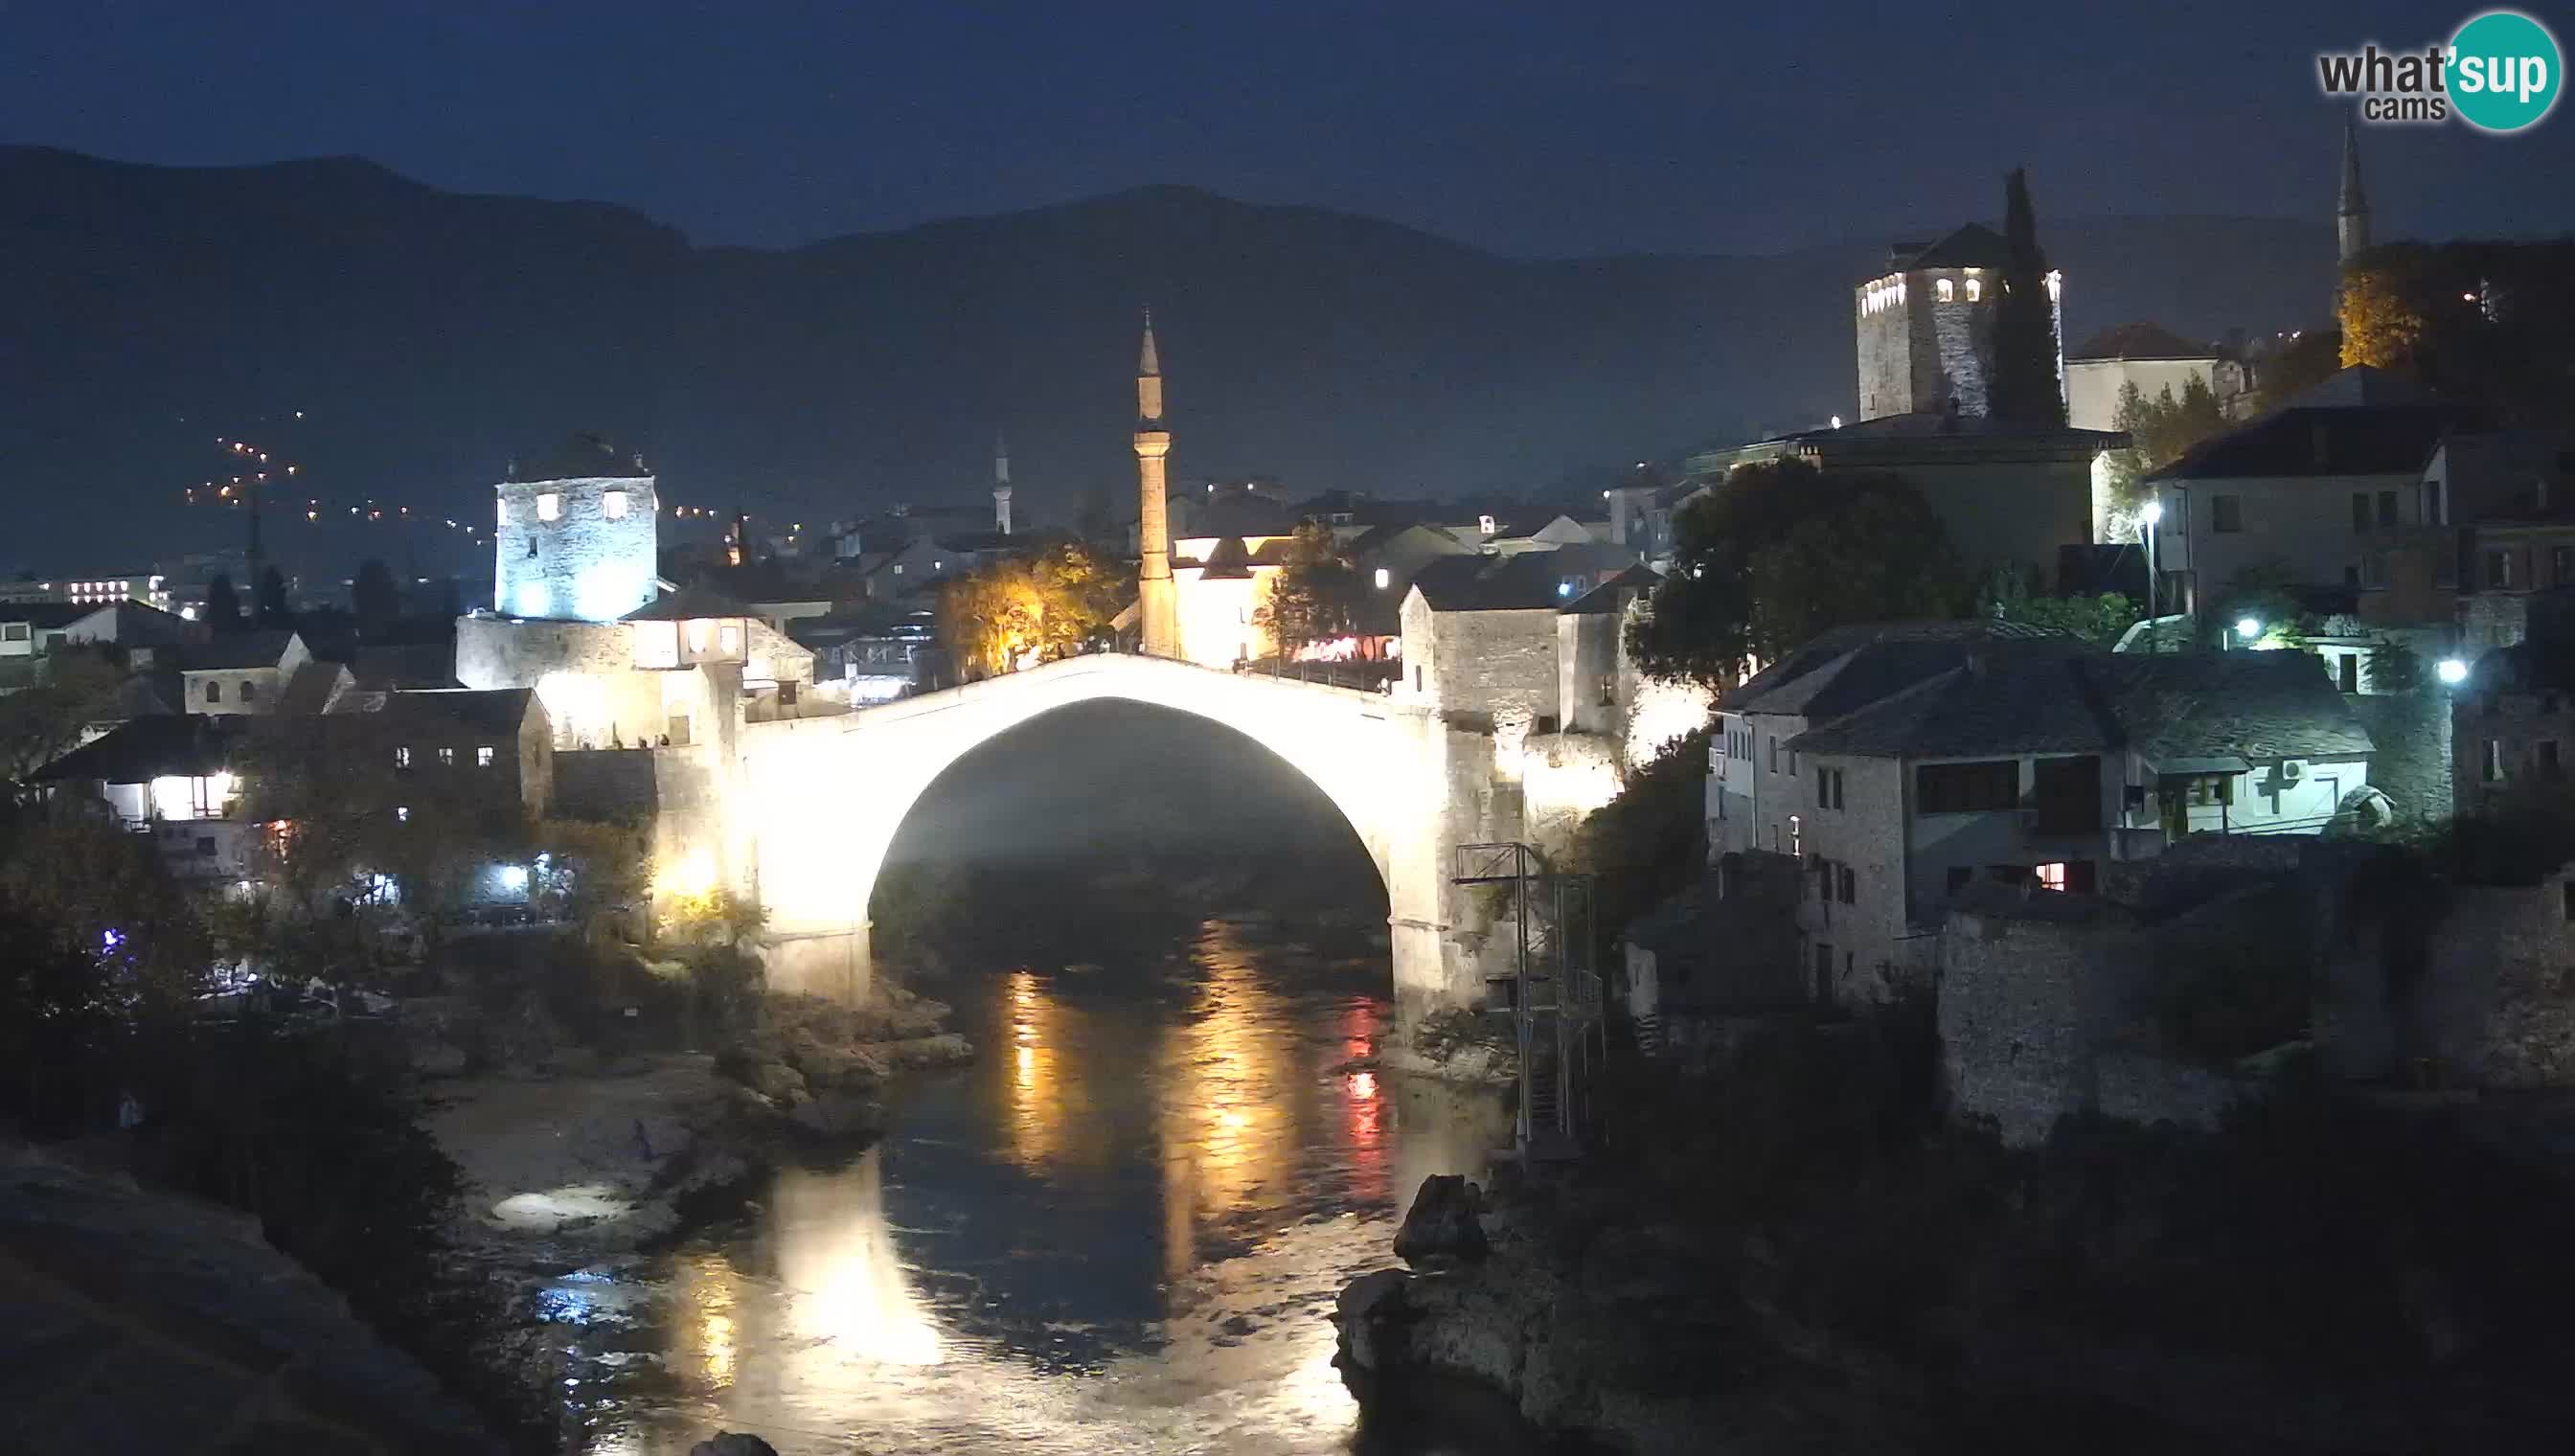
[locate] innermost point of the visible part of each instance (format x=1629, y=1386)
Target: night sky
x=1533, y=129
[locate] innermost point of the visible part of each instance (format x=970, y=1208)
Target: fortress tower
x=1926, y=327
x=1158, y=604
x=577, y=534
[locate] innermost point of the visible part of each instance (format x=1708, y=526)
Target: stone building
x=2149, y=356
x=1927, y=325
x=576, y=534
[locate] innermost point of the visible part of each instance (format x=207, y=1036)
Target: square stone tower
x=578, y=534
x=1926, y=327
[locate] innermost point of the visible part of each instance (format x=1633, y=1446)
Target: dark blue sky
x=1532, y=128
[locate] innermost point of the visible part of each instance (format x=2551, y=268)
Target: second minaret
x=1157, y=605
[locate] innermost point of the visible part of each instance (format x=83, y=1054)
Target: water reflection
x=1122, y=1232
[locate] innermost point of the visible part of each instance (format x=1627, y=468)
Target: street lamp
x=2452, y=671
x=2153, y=515
x=2247, y=629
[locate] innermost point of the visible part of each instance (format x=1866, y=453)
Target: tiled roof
x=1614, y=595
x=1973, y=246
x=2140, y=341
x=2327, y=439
x=184, y=744
x=1859, y=665
x=1528, y=580
x=580, y=457
x=241, y=650
x=2256, y=705
x=496, y=711
x=687, y=604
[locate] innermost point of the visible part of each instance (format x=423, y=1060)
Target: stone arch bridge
x=818, y=801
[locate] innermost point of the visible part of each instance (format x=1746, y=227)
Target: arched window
x=1975, y=289
x=1948, y=291
x=214, y=691
x=249, y=691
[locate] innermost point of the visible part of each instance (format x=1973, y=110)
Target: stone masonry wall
x=2410, y=762
x=583, y=564
x=2021, y=1012
x=1495, y=666
x=2495, y=1006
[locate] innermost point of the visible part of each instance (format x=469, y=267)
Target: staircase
x=1549, y=990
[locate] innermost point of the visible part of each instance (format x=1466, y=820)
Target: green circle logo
x=2505, y=71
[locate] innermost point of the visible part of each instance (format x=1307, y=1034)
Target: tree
x=1030, y=609
x=2307, y=360
x=42, y=722
x=1883, y=556
x=373, y=599
x=1316, y=596
x=223, y=606
x=2381, y=321
x=2026, y=390
x=2163, y=430
x=272, y=600
x=2100, y=619
x=1701, y=623
x=2394, y=668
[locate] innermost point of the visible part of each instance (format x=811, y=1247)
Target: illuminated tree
x=1316, y=596
x=2381, y=321
x=1031, y=609
x=2100, y=619
x=2025, y=389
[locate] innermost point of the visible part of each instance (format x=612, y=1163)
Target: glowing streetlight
x=2247, y=629
x=2452, y=671
x=2154, y=513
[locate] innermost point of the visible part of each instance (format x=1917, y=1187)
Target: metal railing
x=1550, y=991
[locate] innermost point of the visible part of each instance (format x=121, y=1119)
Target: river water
x=1119, y=1230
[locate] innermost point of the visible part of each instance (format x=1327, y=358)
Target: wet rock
x=733, y=1443
x=1441, y=1229
x=830, y=1066
x=945, y=1049
x=1366, y=1307
x=839, y=1116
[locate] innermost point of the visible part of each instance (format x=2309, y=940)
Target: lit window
x=897, y=568
x=2055, y=287
x=401, y=758
x=550, y=507
x=1948, y=290
x=698, y=635
x=2051, y=877
x=1975, y=289
x=505, y=513
x=613, y=504
x=939, y=566
x=447, y=758
x=402, y=813
x=728, y=640
x=1383, y=578
x=483, y=756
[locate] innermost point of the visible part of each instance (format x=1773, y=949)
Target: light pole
x=2151, y=516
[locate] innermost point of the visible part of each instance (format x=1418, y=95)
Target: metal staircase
x=1550, y=991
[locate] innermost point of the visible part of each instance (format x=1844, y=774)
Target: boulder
x=837, y=1116
x=945, y=1049
x=826, y=1065
x=1441, y=1229
x=778, y=1081
x=1365, y=1306
x=733, y=1443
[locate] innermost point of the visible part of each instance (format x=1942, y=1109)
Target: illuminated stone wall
x=583, y=564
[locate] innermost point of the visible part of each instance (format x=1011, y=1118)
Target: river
x=1119, y=1230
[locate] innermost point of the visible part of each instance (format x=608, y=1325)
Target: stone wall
x=583, y=564
x=2411, y=758
x=1493, y=667
x=2514, y=725
x=2024, y=1007
x=2495, y=1006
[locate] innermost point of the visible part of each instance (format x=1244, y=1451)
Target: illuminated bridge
x=826, y=795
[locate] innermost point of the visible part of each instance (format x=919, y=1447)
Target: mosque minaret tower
x=1157, y=605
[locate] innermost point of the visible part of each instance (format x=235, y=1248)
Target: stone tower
x=1157, y=606
x=1926, y=328
x=577, y=535
x=1001, y=485
x=2352, y=214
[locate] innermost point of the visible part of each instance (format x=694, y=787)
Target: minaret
x=2351, y=215
x=1157, y=605
x=1001, y=485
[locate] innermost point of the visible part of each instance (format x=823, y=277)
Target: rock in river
x=1442, y=1230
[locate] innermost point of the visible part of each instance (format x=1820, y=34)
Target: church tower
x=2352, y=215
x=1001, y=485
x=1156, y=603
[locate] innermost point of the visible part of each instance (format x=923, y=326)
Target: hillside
x=429, y=335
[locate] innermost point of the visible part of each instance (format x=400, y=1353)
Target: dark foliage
x=2025, y=388
x=223, y=606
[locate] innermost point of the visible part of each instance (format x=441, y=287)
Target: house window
x=550, y=507
x=483, y=756
x=2360, y=510
x=613, y=504
x=1975, y=289
x=787, y=694
x=698, y=635
x=2498, y=570
x=1383, y=576
x=1829, y=788
x=1849, y=883
x=2548, y=767
x=401, y=758
x=447, y=758
x=2490, y=771
x=214, y=691
x=249, y=691
x=2051, y=877
x=2209, y=791
x=2226, y=514
x=402, y=813
x=897, y=568
x=728, y=639
x=2387, y=509
x=1774, y=756
x=2561, y=565
x=2431, y=503
x=1947, y=788
x=2068, y=795
x=1609, y=692
x=13, y=631
x=2349, y=664
x=1417, y=679
x=1948, y=290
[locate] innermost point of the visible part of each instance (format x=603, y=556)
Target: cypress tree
x=2025, y=388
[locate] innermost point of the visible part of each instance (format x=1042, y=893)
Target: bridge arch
x=825, y=797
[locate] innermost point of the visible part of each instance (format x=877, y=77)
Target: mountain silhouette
x=428, y=336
